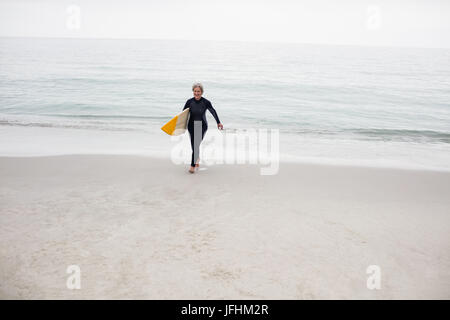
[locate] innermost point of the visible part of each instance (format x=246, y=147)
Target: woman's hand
x=220, y=126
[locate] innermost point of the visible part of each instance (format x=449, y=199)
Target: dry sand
x=145, y=228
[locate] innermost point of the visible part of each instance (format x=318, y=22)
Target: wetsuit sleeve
x=186, y=105
x=213, y=112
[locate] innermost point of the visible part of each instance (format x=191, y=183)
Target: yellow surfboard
x=178, y=124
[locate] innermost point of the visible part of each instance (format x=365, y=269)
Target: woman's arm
x=213, y=111
x=186, y=105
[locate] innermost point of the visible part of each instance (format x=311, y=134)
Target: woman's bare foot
x=192, y=169
x=197, y=164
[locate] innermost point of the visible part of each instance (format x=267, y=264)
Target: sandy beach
x=145, y=228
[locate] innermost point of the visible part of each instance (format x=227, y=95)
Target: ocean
x=370, y=106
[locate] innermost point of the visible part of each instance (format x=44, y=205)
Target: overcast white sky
x=418, y=23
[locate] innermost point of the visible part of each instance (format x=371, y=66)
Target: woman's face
x=197, y=93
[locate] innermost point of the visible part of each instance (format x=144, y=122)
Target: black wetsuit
x=197, y=116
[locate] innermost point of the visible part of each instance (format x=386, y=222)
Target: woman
x=197, y=117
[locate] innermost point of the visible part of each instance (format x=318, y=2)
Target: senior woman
x=197, y=119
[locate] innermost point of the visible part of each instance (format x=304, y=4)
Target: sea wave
x=145, y=123
x=106, y=116
x=108, y=126
x=402, y=134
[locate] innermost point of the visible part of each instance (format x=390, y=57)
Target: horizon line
x=228, y=40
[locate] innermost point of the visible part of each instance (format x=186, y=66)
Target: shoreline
x=21, y=142
x=142, y=227
x=323, y=162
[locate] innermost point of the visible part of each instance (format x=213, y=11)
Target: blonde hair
x=197, y=85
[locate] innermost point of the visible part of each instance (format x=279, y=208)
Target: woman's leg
x=204, y=129
x=195, y=141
